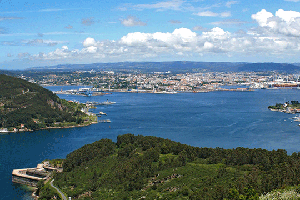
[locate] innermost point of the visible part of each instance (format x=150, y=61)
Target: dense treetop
x=22, y=102
x=146, y=167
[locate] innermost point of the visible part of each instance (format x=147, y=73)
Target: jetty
x=31, y=176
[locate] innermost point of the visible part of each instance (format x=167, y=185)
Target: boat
x=107, y=102
x=104, y=121
x=90, y=103
x=102, y=113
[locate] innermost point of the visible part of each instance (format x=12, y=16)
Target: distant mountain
x=174, y=67
x=28, y=106
x=263, y=67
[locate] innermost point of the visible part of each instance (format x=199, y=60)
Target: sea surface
x=215, y=119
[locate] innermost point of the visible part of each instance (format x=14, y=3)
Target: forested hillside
x=145, y=167
x=29, y=106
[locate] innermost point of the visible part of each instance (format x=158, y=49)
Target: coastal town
x=167, y=82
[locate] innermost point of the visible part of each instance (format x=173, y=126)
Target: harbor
x=190, y=118
x=82, y=92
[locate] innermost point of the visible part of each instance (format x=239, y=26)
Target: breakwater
x=31, y=176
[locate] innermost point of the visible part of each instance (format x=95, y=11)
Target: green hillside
x=145, y=167
x=28, y=104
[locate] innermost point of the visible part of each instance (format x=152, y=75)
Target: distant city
x=166, y=82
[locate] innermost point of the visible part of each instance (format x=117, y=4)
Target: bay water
x=214, y=119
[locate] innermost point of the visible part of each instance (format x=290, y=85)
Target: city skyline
x=46, y=33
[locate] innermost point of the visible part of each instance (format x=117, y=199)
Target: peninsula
x=287, y=107
x=26, y=106
x=147, y=167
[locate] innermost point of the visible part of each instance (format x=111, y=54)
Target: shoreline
x=61, y=127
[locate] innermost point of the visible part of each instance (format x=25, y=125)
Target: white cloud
x=139, y=46
x=160, y=6
x=293, y=0
x=23, y=55
x=262, y=17
x=52, y=10
x=34, y=42
x=229, y=22
x=89, y=42
x=229, y=3
x=193, y=6
x=9, y=18
x=200, y=28
x=275, y=34
x=213, y=14
x=132, y=21
x=208, y=45
x=69, y=27
x=207, y=14
x=284, y=22
x=217, y=33
x=57, y=9
x=175, y=22
x=88, y=21
x=288, y=16
x=225, y=14
x=183, y=41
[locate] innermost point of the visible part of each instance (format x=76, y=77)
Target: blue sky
x=44, y=33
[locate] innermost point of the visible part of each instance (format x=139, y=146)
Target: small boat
x=104, y=121
x=89, y=103
x=107, y=102
x=102, y=113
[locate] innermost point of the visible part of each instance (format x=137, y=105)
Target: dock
x=31, y=176
x=21, y=176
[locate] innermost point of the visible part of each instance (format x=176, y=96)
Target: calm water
x=216, y=119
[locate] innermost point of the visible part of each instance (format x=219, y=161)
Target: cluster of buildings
x=168, y=82
x=20, y=129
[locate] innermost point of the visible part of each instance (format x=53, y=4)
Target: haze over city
x=45, y=33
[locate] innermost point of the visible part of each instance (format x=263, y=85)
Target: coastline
x=59, y=127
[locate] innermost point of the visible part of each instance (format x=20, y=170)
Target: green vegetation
x=45, y=191
x=27, y=106
x=145, y=167
x=277, y=106
x=282, y=194
x=287, y=107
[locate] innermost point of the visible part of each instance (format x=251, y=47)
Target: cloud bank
x=274, y=35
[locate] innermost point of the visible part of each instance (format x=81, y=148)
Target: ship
x=107, y=102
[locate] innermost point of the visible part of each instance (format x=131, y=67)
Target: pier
x=21, y=176
x=31, y=176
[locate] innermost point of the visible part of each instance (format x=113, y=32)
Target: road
x=63, y=196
